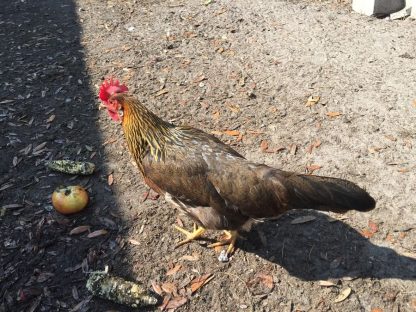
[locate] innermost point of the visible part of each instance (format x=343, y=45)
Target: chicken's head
x=108, y=88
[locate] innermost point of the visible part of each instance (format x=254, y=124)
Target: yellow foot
x=230, y=241
x=190, y=236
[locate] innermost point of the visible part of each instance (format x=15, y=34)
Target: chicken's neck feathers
x=145, y=132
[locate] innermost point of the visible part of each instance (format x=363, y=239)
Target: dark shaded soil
x=245, y=67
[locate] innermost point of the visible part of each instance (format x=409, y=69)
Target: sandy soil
x=246, y=66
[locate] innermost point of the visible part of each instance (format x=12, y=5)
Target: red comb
x=109, y=87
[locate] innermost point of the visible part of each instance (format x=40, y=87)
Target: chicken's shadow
x=321, y=250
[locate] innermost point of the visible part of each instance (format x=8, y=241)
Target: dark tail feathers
x=326, y=194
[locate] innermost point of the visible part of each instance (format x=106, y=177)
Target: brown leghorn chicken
x=212, y=183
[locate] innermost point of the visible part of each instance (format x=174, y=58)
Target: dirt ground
x=243, y=70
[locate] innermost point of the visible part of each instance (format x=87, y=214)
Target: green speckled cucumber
x=119, y=290
x=71, y=167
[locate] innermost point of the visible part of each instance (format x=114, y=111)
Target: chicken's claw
x=230, y=240
x=190, y=236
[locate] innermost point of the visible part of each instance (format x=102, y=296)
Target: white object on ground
x=413, y=8
x=401, y=14
x=377, y=7
x=406, y=11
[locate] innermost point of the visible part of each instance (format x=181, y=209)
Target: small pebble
x=223, y=257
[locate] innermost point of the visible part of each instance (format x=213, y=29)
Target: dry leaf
x=44, y=276
x=190, y=258
x=277, y=149
x=367, y=234
x=28, y=149
x=403, y=170
x=414, y=303
x=333, y=114
x=373, y=226
x=414, y=103
x=343, y=295
x=402, y=235
x=109, y=142
x=255, y=132
x=391, y=138
x=293, y=148
x=110, y=179
x=376, y=149
x=5, y=186
x=79, y=229
x=313, y=145
x=390, y=295
x=179, y=222
x=176, y=302
x=82, y=306
x=389, y=238
x=266, y=280
x=264, y=145
x=216, y=115
x=38, y=153
x=11, y=206
x=74, y=268
x=164, y=303
x=349, y=278
x=134, y=242
x=303, y=219
x=75, y=293
x=169, y=287
x=70, y=125
x=199, y=79
x=216, y=132
x=174, y=270
x=232, y=132
x=200, y=281
x=97, y=233
x=108, y=222
x=16, y=161
x=189, y=34
x=240, y=138
x=312, y=168
x=39, y=147
x=326, y=283
x=335, y=263
x=51, y=118
x=376, y=310
x=337, y=218
x=161, y=92
x=234, y=107
x=312, y=100
x=157, y=288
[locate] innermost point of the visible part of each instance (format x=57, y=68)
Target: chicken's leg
x=190, y=236
x=229, y=240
